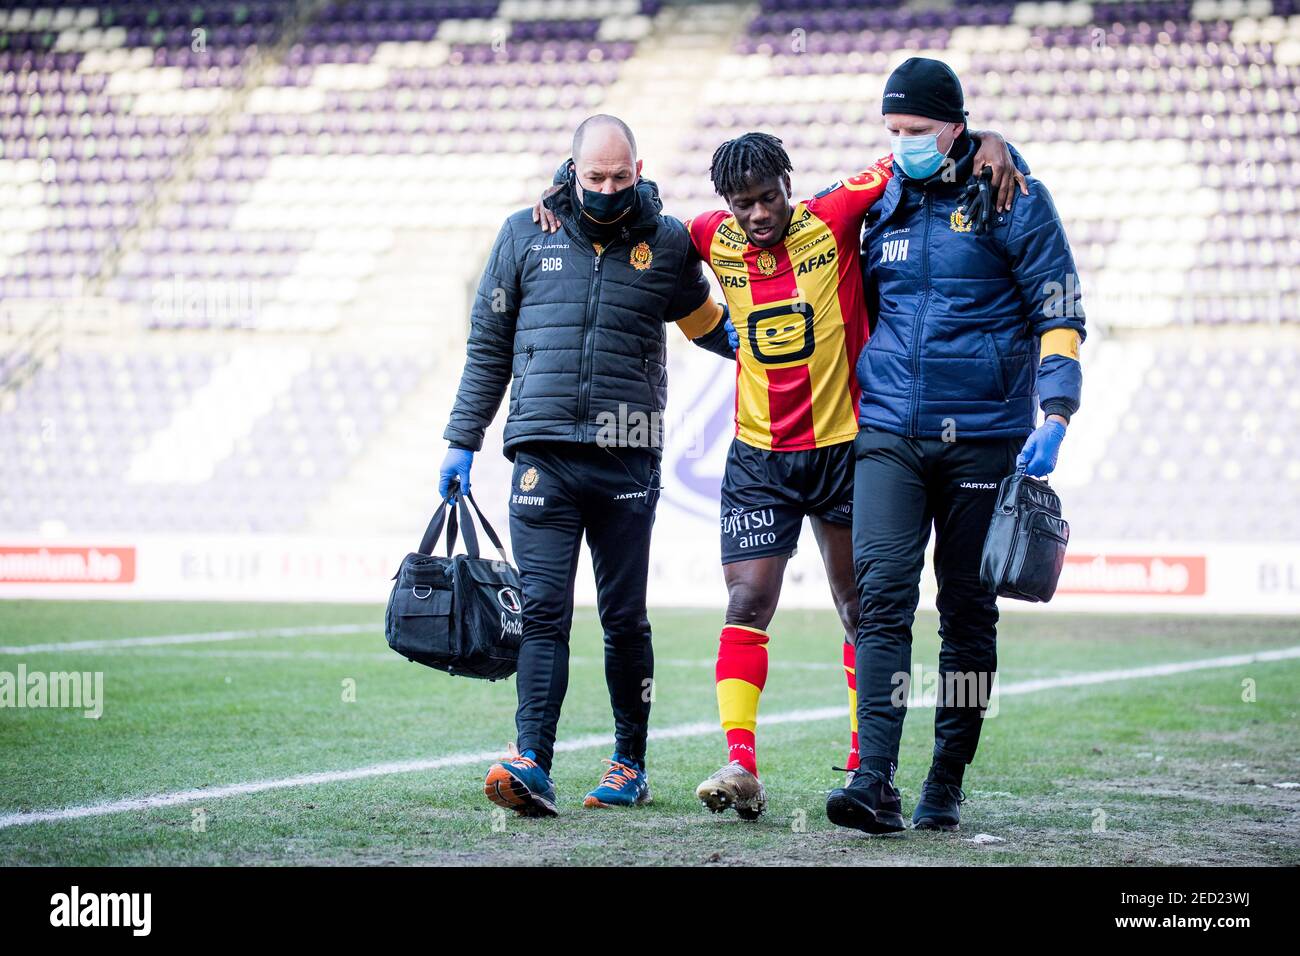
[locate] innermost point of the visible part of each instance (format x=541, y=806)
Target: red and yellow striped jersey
x=798, y=307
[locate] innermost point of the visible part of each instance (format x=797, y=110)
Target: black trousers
x=901, y=487
x=560, y=492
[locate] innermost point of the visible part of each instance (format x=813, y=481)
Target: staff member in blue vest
x=977, y=327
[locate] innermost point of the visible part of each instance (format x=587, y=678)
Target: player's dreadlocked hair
x=746, y=160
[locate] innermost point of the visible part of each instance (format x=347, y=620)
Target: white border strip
x=678, y=732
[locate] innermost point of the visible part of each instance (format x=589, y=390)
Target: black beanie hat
x=925, y=87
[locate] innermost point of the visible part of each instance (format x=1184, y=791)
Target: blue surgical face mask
x=918, y=156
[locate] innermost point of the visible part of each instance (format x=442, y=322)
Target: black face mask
x=605, y=209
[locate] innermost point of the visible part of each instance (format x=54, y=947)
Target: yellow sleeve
x=702, y=321
x=1059, y=342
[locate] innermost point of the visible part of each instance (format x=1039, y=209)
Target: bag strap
x=1020, y=473
x=1009, y=491
x=435, y=528
x=462, y=526
x=487, y=528
x=446, y=513
x=466, y=526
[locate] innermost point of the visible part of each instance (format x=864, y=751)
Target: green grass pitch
x=1171, y=769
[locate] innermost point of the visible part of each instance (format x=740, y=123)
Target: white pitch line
x=578, y=660
x=1157, y=670
x=252, y=654
x=212, y=637
x=202, y=637
x=678, y=732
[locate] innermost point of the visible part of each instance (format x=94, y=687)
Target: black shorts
x=766, y=494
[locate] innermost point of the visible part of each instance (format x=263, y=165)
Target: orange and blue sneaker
x=516, y=782
x=623, y=785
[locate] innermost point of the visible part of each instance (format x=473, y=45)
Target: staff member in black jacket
x=575, y=323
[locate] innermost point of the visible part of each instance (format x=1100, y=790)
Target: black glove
x=977, y=202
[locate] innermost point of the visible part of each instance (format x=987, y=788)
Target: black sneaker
x=938, y=808
x=870, y=803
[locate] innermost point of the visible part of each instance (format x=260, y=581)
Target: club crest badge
x=508, y=598
x=766, y=263
x=529, y=480
x=958, y=221
x=641, y=256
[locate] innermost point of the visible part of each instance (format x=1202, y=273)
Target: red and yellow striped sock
x=851, y=674
x=741, y=674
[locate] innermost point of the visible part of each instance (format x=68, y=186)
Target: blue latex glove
x=1041, y=448
x=733, y=337
x=456, y=465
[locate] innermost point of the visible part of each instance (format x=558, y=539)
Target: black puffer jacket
x=581, y=334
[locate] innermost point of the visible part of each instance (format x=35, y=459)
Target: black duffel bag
x=462, y=614
x=1024, y=550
